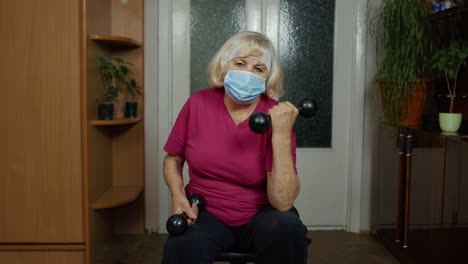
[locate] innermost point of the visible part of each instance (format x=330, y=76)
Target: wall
x=370, y=132
x=151, y=110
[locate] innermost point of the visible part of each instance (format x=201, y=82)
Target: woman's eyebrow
x=243, y=59
x=262, y=65
x=259, y=62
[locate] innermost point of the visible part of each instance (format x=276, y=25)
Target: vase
x=450, y=122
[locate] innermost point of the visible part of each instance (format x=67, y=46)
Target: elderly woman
x=249, y=181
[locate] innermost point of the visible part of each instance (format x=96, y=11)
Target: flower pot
x=105, y=111
x=450, y=122
x=131, y=109
x=414, y=110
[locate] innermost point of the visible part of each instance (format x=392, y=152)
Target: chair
x=236, y=256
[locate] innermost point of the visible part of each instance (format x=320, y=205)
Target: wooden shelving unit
x=114, y=122
x=116, y=41
x=117, y=196
x=115, y=154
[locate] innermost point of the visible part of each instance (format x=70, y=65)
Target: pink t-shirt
x=228, y=163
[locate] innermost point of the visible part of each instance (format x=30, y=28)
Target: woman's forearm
x=173, y=166
x=172, y=171
x=283, y=182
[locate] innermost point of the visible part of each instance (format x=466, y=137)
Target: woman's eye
x=239, y=64
x=258, y=69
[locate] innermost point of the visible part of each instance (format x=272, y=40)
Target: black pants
x=275, y=236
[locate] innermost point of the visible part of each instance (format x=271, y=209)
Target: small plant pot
x=460, y=103
x=131, y=109
x=105, y=111
x=450, y=122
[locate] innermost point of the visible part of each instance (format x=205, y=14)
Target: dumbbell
x=177, y=224
x=260, y=122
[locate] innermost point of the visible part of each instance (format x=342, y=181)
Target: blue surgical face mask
x=243, y=87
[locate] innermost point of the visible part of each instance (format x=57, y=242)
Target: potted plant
x=127, y=82
x=114, y=74
x=401, y=31
x=108, y=74
x=131, y=106
x=449, y=61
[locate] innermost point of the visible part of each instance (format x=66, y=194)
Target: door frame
x=160, y=116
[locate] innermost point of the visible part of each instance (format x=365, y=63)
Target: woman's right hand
x=181, y=204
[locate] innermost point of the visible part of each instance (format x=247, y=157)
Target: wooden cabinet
x=40, y=138
x=419, y=207
x=42, y=257
x=419, y=204
x=68, y=182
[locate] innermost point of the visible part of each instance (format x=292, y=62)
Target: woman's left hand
x=283, y=116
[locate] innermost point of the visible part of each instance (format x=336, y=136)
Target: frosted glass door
x=306, y=54
x=212, y=22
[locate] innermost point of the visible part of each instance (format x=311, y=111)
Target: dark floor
x=328, y=247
